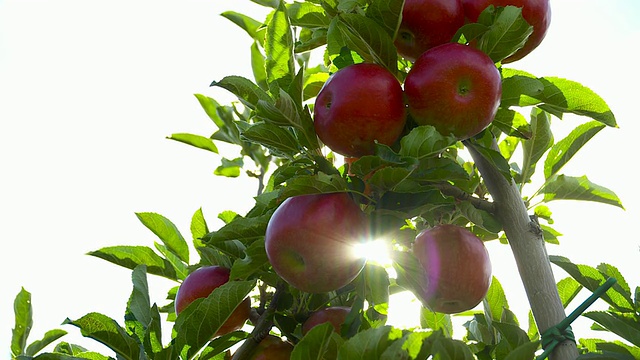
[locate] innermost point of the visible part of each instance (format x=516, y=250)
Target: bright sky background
x=90, y=89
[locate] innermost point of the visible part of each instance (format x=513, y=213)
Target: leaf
x=506, y=34
x=255, y=258
x=198, y=141
x=436, y=321
x=579, y=188
x=198, y=227
x=105, y=330
x=424, y=141
x=537, y=145
x=519, y=90
x=411, y=346
x=365, y=37
x=278, y=140
x=132, y=256
x=139, y=304
x=450, y=349
x=387, y=13
x=198, y=322
x=614, y=323
x=496, y=299
x=368, y=344
x=550, y=235
x=167, y=232
x=512, y=123
x=374, y=287
x=241, y=228
x=210, y=106
x=568, y=289
x=481, y=218
x=495, y=158
x=278, y=48
x=48, y=338
x=229, y=168
x=248, y=24
x=180, y=267
x=566, y=96
x=23, y=313
x=525, y=351
x=306, y=14
x=565, y=149
x=258, y=66
x=313, y=184
x=321, y=342
x=246, y=91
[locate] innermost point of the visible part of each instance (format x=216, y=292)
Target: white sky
x=90, y=89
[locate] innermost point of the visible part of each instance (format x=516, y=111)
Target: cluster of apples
x=310, y=240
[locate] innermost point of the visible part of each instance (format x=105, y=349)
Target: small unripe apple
x=335, y=315
x=536, y=12
x=199, y=284
x=310, y=241
x=272, y=348
x=455, y=88
x=456, y=266
x=426, y=24
x=357, y=106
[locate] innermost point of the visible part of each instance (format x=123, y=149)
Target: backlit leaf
x=167, y=232
x=579, y=188
x=565, y=149
x=198, y=141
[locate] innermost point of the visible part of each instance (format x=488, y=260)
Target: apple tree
x=410, y=129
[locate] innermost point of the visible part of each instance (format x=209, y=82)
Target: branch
x=261, y=329
x=528, y=247
x=478, y=203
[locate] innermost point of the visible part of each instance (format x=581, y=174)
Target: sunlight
x=376, y=251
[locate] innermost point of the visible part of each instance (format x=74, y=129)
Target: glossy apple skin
x=358, y=105
x=273, y=348
x=309, y=241
x=457, y=268
x=199, y=284
x=455, y=88
x=426, y=24
x=536, y=12
x=335, y=315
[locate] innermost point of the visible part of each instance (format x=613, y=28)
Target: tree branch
x=527, y=245
x=478, y=203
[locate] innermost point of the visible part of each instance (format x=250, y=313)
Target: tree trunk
x=526, y=241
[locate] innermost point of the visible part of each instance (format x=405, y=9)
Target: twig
x=478, y=203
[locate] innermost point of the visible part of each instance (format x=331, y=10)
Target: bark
x=528, y=247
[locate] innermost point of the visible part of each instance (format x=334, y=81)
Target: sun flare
x=374, y=251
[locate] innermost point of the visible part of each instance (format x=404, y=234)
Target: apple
x=426, y=24
x=357, y=106
x=335, y=315
x=536, y=12
x=310, y=241
x=199, y=284
x=455, y=88
x=456, y=266
x=272, y=348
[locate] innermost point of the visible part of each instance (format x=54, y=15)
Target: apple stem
x=528, y=247
x=261, y=328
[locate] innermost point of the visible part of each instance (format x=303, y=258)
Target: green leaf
x=481, y=218
x=246, y=91
x=139, y=304
x=196, y=325
x=525, y=351
x=621, y=286
x=411, y=346
x=513, y=334
x=258, y=66
x=132, y=256
x=321, y=343
x=436, y=321
x=198, y=141
x=425, y=141
x=313, y=184
x=508, y=33
x=229, y=168
x=497, y=300
x=627, y=329
x=374, y=287
x=512, y=123
x=550, y=234
x=180, y=267
x=568, y=289
x=167, y=232
x=566, y=96
x=279, y=141
x=241, y=228
x=368, y=344
x=494, y=157
x=365, y=37
x=450, y=349
x=537, y=145
x=48, y=338
x=23, y=313
x=248, y=24
x=105, y=330
x=387, y=13
x=579, y=188
x=210, y=107
x=278, y=46
x=198, y=227
x=255, y=258
x=306, y=14
x=519, y=90
x=565, y=149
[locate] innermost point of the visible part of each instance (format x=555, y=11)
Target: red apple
x=310, y=241
x=457, y=268
x=199, y=284
x=359, y=105
x=272, y=348
x=335, y=315
x=455, y=88
x=427, y=24
x=536, y=12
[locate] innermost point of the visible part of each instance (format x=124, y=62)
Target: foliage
x=424, y=179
